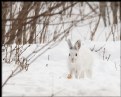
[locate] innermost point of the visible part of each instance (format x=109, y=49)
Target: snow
x=49, y=77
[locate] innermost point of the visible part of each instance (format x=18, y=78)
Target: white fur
x=82, y=64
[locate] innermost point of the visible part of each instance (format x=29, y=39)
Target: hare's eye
x=69, y=54
x=76, y=54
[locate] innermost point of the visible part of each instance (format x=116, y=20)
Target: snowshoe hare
x=80, y=60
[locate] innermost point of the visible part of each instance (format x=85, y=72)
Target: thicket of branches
x=27, y=22
x=47, y=22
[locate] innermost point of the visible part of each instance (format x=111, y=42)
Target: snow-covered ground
x=49, y=77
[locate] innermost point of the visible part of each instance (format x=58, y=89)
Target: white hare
x=80, y=60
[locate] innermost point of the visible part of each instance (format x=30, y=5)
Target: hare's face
x=74, y=51
x=73, y=55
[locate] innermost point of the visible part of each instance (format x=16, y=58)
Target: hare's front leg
x=77, y=74
x=89, y=73
x=81, y=74
x=70, y=74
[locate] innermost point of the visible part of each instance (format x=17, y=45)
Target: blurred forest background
x=29, y=22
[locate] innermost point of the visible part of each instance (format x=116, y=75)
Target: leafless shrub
x=102, y=50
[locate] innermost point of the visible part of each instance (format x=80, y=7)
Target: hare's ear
x=69, y=44
x=77, y=45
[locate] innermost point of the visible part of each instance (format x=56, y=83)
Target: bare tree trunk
x=42, y=33
x=24, y=34
x=33, y=24
x=4, y=14
x=24, y=15
x=17, y=25
x=103, y=11
x=120, y=11
x=45, y=32
x=114, y=7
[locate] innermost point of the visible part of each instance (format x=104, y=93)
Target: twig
x=93, y=48
x=95, y=29
x=103, y=54
x=99, y=48
x=94, y=10
x=11, y=75
x=115, y=65
x=108, y=57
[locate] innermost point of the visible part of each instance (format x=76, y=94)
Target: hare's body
x=81, y=64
